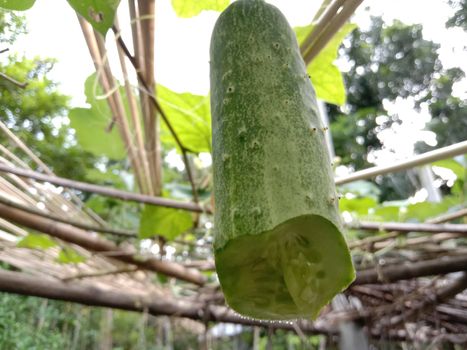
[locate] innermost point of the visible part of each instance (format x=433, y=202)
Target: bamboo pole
x=146, y=10
x=421, y=299
x=91, y=228
x=410, y=270
x=97, y=51
x=425, y=158
x=135, y=117
x=369, y=241
x=84, y=226
x=82, y=238
x=329, y=12
x=421, y=159
x=330, y=29
x=157, y=106
x=88, y=294
x=20, y=144
x=110, y=192
x=409, y=227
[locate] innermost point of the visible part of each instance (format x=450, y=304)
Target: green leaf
x=90, y=132
x=325, y=76
x=189, y=8
x=386, y=213
x=452, y=165
x=69, y=256
x=111, y=177
x=91, y=124
x=357, y=205
x=100, y=14
x=166, y=222
x=36, y=241
x=190, y=117
x=361, y=188
x=424, y=210
x=17, y=5
x=185, y=192
x=97, y=204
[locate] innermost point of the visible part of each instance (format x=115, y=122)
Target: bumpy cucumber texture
x=278, y=245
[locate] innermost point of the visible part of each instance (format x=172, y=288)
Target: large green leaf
x=357, y=205
x=452, y=165
x=100, y=13
x=166, y=222
x=424, y=210
x=91, y=124
x=17, y=5
x=36, y=241
x=90, y=131
x=325, y=76
x=190, y=117
x=386, y=213
x=68, y=255
x=111, y=177
x=190, y=8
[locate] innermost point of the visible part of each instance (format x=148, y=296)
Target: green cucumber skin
x=269, y=156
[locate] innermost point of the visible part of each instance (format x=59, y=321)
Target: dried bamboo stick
x=97, y=50
x=111, y=192
x=411, y=270
x=331, y=29
x=47, y=170
x=82, y=238
x=89, y=294
x=420, y=159
x=134, y=114
x=146, y=10
x=409, y=227
x=323, y=21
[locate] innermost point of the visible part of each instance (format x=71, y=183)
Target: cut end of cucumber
x=289, y=272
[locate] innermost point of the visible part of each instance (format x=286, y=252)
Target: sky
x=182, y=49
x=182, y=45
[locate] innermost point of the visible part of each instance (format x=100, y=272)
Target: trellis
x=116, y=276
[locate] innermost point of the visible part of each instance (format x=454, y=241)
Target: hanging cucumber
x=278, y=245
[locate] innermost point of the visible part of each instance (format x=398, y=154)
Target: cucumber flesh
x=286, y=273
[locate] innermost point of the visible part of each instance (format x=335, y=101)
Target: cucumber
x=278, y=246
